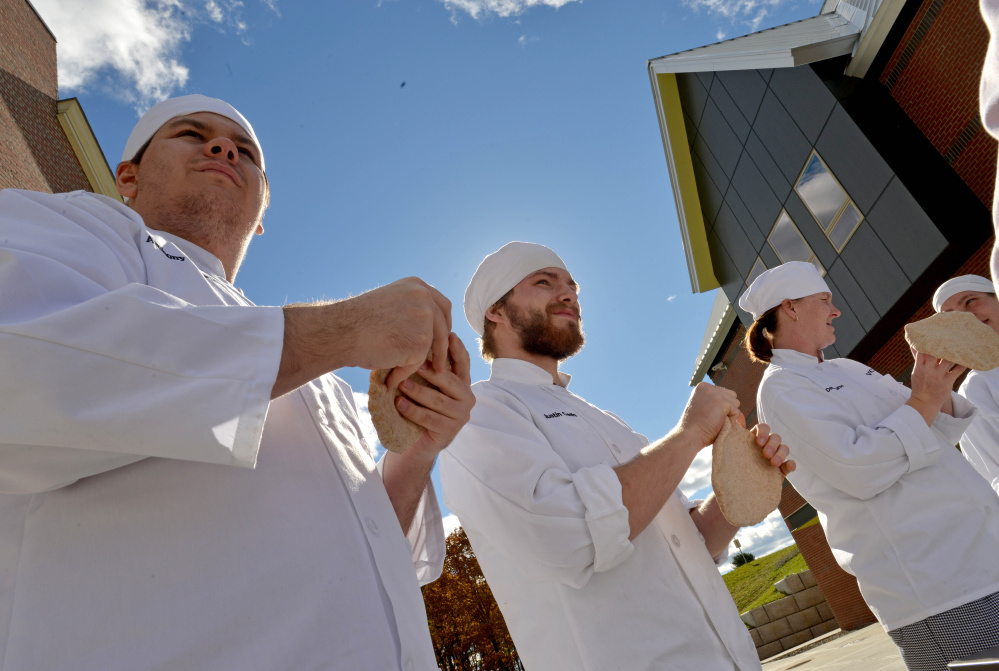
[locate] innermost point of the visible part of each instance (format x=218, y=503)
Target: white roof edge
x=816, y=38
x=719, y=322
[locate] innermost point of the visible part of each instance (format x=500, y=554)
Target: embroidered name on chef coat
x=560, y=414
x=834, y=388
x=160, y=247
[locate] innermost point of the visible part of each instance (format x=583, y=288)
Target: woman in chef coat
x=901, y=508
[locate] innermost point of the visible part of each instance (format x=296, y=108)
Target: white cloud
x=749, y=12
x=364, y=415
x=131, y=48
x=450, y=524
x=502, y=8
x=698, y=476
x=768, y=536
x=525, y=39
x=671, y=298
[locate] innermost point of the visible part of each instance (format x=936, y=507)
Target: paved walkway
x=868, y=649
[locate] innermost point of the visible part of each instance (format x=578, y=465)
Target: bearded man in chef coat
x=596, y=559
x=183, y=483
x=980, y=442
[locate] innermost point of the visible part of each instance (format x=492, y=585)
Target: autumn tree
x=466, y=626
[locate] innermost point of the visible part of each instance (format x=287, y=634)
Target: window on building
x=828, y=202
x=789, y=245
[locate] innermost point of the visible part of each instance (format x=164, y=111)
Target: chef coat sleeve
x=426, y=534
x=100, y=369
x=821, y=430
x=980, y=442
x=502, y=479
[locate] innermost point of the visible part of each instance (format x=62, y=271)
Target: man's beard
x=539, y=334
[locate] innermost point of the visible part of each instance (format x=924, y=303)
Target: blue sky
x=413, y=137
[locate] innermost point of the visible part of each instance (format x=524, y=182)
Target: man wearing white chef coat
x=980, y=442
x=182, y=483
x=596, y=559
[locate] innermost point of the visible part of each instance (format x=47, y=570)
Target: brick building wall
x=933, y=75
x=34, y=151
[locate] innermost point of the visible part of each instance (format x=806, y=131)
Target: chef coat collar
x=519, y=370
x=786, y=356
x=201, y=257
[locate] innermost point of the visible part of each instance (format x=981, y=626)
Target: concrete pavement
x=869, y=649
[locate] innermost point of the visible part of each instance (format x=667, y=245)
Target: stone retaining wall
x=797, y=618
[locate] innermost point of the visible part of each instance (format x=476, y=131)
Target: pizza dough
x=957, y=337
x=746, y=484
x=395, y=432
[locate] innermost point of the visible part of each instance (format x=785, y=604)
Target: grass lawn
x=752, y=584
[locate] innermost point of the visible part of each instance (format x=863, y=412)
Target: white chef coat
x=530, y=477
x=989, y=94
x=135, y=380
x=980, y=442
x=901, y=508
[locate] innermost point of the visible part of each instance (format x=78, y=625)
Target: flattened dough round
x=395, y=432
x=957, y=337
x=746, y=484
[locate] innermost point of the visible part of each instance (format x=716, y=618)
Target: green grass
x=752, y=584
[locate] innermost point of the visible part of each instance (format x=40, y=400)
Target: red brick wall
x=741, y=374
x=933, y=74
x=34, y=151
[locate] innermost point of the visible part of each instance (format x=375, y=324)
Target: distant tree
x=742, y=558
x=466, y=627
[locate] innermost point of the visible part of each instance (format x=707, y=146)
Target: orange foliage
x=466, y=626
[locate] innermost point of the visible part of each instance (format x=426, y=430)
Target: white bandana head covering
x=793, y=280
x=162, y=112
x=959, y=284
x=501, y=271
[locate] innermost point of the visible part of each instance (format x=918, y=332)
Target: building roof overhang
x=88, y=151
x=719, y=323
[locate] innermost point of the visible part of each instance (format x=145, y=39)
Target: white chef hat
x=501, y=271
x=162, y=112
x=959, y=284
x=793, y=280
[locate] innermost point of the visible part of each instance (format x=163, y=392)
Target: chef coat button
x=409, y=665
x=372, y=527
x=676, y=540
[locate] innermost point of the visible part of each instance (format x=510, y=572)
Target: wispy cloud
x=450, y=524
x=749, y=12
x=698, y=478
x=671, y=298
x=503, y=8
x=364, y=415
x=524, y=40
x=132, y=49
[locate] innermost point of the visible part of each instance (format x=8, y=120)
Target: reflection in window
x=828, y=202
x=789, y=245
x=758, y=268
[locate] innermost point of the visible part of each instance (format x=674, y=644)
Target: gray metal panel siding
x=693, y=95
x=805, y=97
x=852, y=158
x=849, y=332
x=733, y=115
x=738, y=245
x=720, y=138
x=849, y=292
x=786, y=143
x=749, y=224
x=709, y=194
x=809, y=228
x=756, y=194
x=771, y=171
x=906, y=230
x=746, y=88
x=875, y=270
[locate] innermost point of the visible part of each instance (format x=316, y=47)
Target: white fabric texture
x=989, y=94
x=160, y=113
x=980, y=442
x=794, y=279
x=958, y=284
x=134, y=532
x=531, y=479
x=501, y=271
x=901, y=508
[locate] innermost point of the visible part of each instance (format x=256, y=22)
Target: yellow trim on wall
x=88, y=152
x=681, y=169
